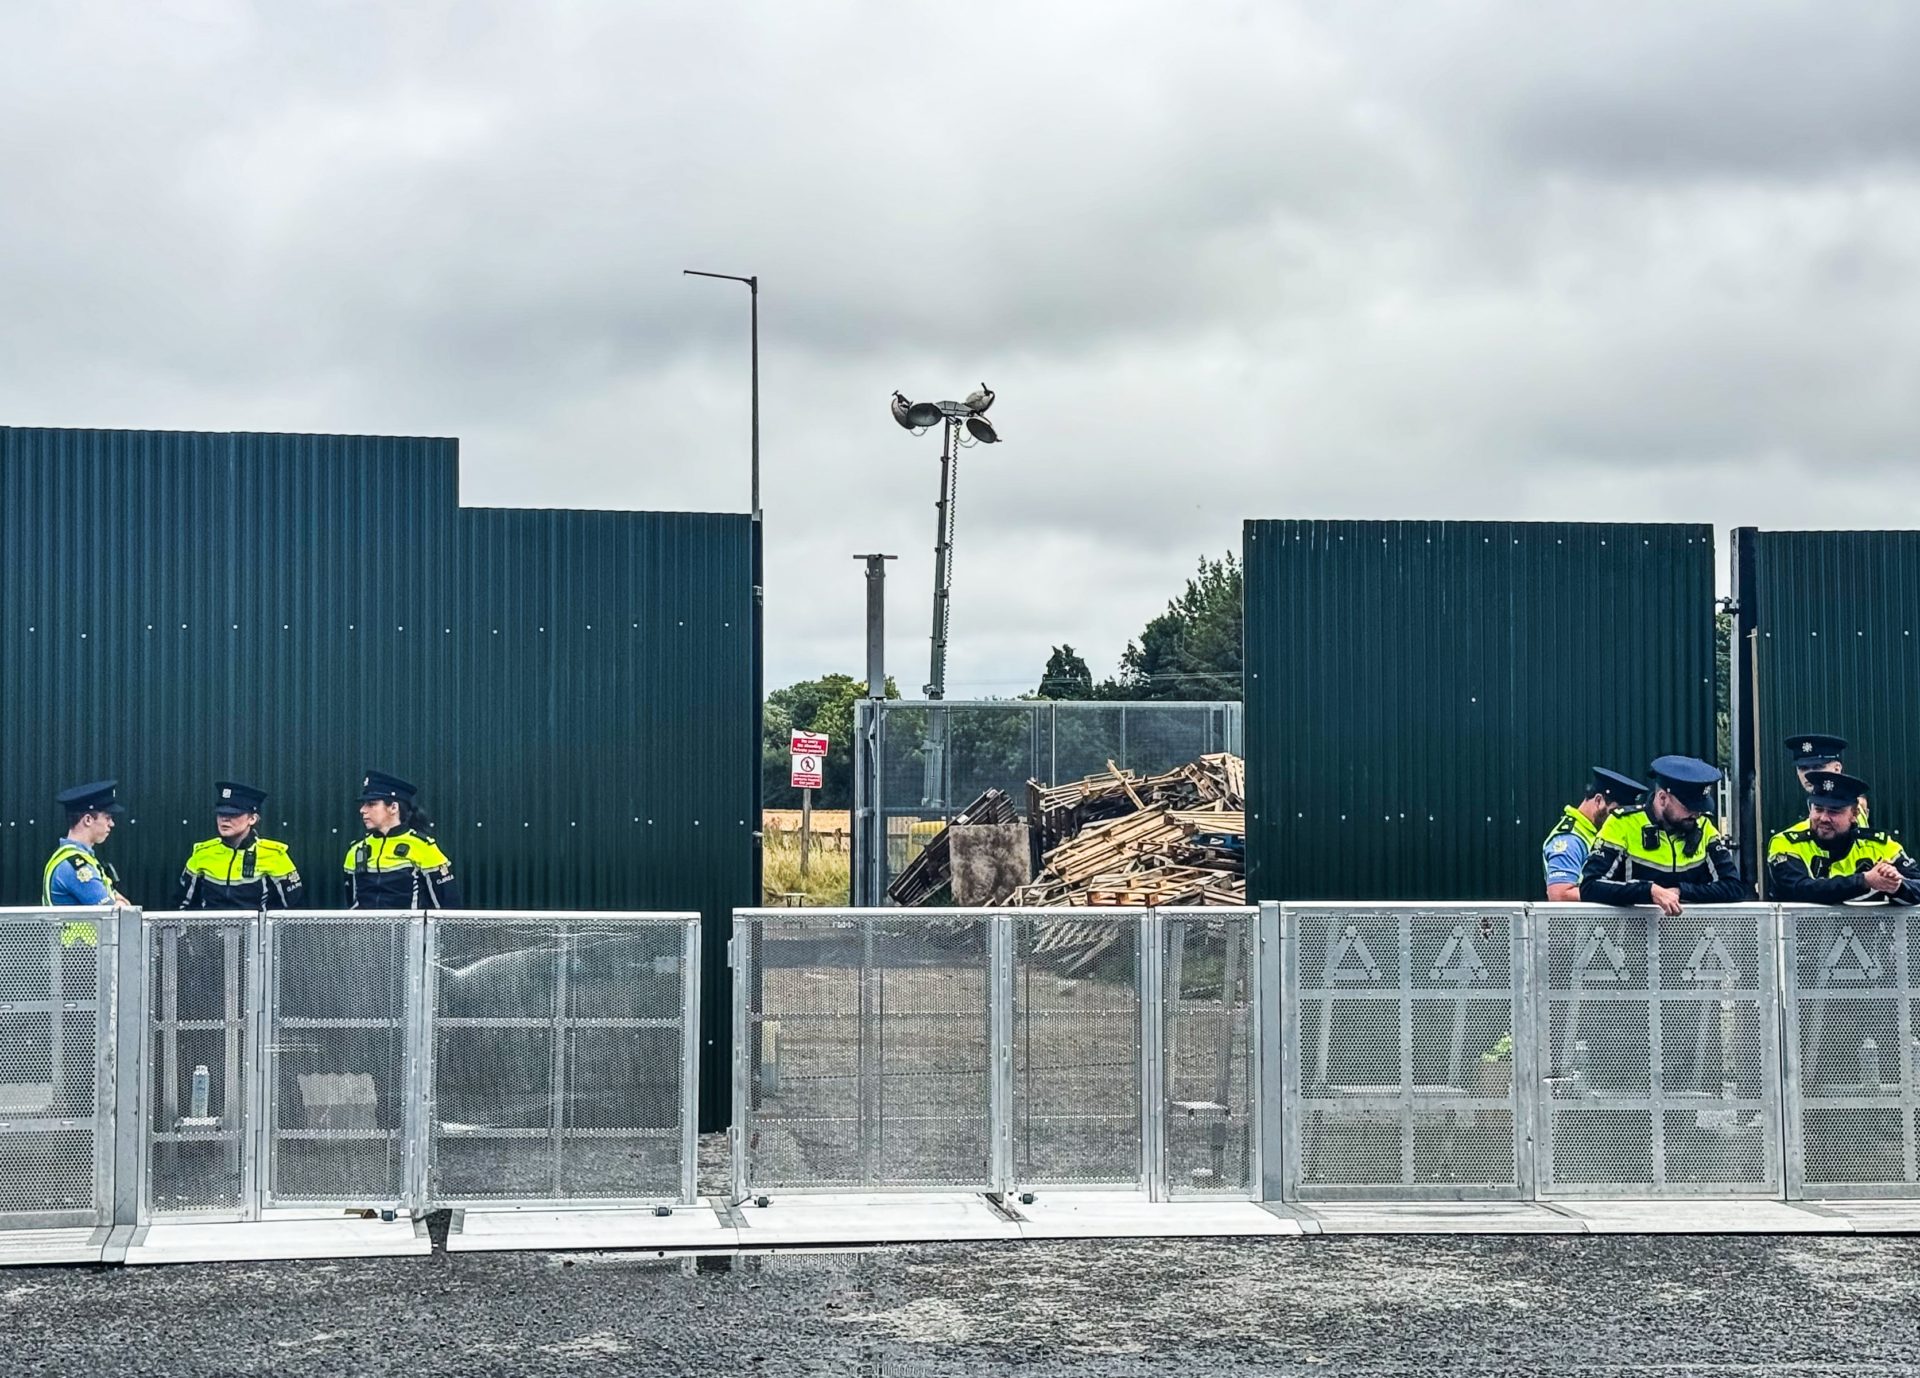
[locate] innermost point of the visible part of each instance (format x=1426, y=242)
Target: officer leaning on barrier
x=1832, y=858
x=1666, y=852
x=397, y=866
x=1814, y=752
x=1567, y=847
x=238, y=868
x=74, y=874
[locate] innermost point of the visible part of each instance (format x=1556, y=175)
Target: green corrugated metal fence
x=1422, y=697
x=574, y=691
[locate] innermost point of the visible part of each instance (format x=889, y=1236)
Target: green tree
x=1066, y=676
x=814, y=705
x=1192, y=650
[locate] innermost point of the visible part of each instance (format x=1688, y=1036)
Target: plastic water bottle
x=202, y=1083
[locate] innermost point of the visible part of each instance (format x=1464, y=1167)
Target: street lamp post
x=753, y=292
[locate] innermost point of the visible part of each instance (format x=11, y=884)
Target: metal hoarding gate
x=1852, y=1026
x=1077, y=1051
x=56, y=1048
x=202, y=1055
x=1206, y=1079
x=1659, y=1038
x=1406, y=1025
x=341, y=1096
x=861, y=1059
x=564, y=1051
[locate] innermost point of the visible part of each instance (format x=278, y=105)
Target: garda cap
x=1812, y=749
x=234, y=798
x=378, y=785
x=96, y=797
x=1831, y=789
x=1687, y=778
x=1618, y=788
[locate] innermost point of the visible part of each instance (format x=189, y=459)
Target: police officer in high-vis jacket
x=238, y=868
x=1567, y=847
x=74, y=874
x=1814, y=752
x=1666, y=852
x=396, y=865
x=1832, y=859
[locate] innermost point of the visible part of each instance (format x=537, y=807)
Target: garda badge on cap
x=1826, y=787
x=1806, y=747
x=226, y=794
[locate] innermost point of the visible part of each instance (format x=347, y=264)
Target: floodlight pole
x=942, y=564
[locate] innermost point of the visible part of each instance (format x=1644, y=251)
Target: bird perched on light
x=979, y=401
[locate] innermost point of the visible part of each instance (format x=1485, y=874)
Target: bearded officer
x=1832, y=858
x=1666, y=852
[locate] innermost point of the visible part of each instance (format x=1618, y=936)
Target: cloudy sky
x=1611, y=260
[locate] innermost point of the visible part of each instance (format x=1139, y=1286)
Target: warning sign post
x=809, y=760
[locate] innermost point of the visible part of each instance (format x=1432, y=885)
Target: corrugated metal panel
x=1838, y=617
x=1424, y=697
x=573, y=690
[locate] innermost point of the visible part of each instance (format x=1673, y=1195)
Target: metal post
x=876, y=623
x=740, y=1131
x=1000, y=1097
x=126, y=1117
x=233, y=972
x=1153, y=1069
x=753, y=294
x=690, y=1062
x=251, y=1038
x=557, y=1077
x=417, y=1117
x=806, y=829
x=1268, y=1041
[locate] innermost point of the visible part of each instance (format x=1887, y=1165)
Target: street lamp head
x=914, y=416
x=982, y=430
x=982, y=399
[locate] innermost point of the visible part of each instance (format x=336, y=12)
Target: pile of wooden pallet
x=1123, y=839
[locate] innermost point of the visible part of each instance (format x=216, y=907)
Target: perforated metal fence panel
x=56, y=1126
x=1659, y=1051
x=1407, y=1025
x=202, y=1054
x=1852, y=1025
x=562, y=1058
x=341, y=1089
x=1077, y=1052
x=1208, y=1062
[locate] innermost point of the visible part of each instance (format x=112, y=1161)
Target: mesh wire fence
x=1209, y=1051
x=933, y=759
x=1853, y=1027
x=864, y=1052
x=201, y=1049
x=338, y=1057
x=1659, y=1051
x=1076, y=1052
x=559, y=1058
x=55, y=1126
x=1402, y=1048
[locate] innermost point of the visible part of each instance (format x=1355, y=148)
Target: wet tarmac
x=1324, y=1306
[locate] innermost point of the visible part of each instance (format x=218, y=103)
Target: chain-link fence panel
x=202, y=1046
x=56, y=1122
x=561, y=1058
x=1208, y=1071
x=862, y=1059
x=1076, y=1054
x=1853, y=1031
x=1658, y=1050
x=1404, y=1028
x=342, y=990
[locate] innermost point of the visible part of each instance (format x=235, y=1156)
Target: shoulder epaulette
x=267, y=844
x=1872, y=834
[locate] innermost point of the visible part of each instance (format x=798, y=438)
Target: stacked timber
x=1124, y=839
x=928, y=878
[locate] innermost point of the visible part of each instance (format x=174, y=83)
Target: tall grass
x=829, y=878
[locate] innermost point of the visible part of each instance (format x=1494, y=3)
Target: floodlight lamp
x=901, y=410
x=982, y=430
x=979, y=401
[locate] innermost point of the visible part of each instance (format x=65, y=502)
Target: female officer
x=396, y=865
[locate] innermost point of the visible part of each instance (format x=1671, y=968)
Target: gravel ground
x=1279, y=1306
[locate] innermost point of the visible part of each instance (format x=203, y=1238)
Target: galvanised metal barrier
x=998, y=1051
x=1399, y=1051
x=57, y=983
x=1657, y=1051
x=218, y=1066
